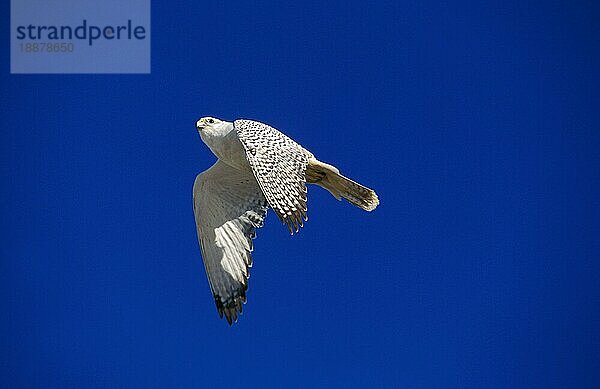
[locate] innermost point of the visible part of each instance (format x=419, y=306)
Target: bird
x=257, y=168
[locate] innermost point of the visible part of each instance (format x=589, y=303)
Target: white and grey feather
x=258, y=167
x=279, y=165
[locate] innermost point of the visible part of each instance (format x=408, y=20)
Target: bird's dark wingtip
x=232, y=308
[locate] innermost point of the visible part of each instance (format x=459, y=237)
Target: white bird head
x=208, y=124
x=212, y=132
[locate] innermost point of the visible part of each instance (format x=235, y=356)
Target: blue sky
x=477, y=124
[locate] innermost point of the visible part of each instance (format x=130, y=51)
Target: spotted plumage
x=258, y=167
x=279, y=165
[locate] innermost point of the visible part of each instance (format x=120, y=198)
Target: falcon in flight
x=258, y=167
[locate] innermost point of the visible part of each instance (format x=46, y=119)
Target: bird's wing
x=228, y=206
x=279, y=165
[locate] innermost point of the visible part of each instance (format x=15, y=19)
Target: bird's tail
x=329, y=177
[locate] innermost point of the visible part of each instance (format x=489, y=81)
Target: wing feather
x=228, y=207
x=279, y=165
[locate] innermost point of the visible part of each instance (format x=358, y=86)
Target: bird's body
x=258, y=167
x=223, y=141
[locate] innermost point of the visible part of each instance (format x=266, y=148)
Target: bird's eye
x=211, y=121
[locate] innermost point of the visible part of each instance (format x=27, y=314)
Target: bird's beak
x=200, y=124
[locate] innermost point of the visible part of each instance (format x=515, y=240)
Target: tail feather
x=329, y=177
